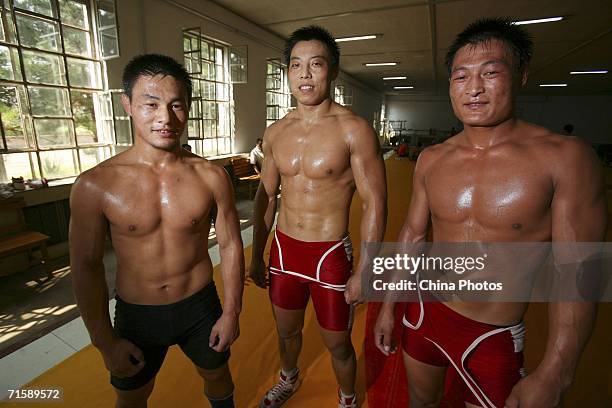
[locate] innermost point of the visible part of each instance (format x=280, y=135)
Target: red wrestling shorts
x=489, y=359
x=299, y=270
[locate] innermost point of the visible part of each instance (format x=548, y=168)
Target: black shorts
x=153, y=328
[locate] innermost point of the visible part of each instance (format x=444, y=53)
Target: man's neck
x=155, y=157
x=311, y=114
x=484, y=137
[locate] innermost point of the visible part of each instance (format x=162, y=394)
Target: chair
x=16, y=238
x=243, y=173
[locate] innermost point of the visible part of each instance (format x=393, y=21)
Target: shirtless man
x=157, y=199
x=499, y=180
x=319, y=154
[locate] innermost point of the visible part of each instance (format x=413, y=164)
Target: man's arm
x=578, y=215
x=370, y=179
x=413, y=231
x=86, y=239
x=264, y=210
x=227, y=229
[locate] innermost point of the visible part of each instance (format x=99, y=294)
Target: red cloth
x=300, y=270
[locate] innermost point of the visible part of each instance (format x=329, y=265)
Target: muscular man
x=500, y=180
x=319, y=154
x=157, y=200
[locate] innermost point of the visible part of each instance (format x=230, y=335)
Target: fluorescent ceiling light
x=588, y=72
x=390, y=78
x=538, y=21
x=552, y=85
x=380, y=64
x=357, y=38
x=403, y=87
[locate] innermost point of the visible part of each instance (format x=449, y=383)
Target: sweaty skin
x=156, y=200
x=506, y=180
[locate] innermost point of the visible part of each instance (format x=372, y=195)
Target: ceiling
x=417, y=34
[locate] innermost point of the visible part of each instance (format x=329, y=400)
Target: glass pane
x=54, y=132
x=9, y=64
x=109, y=40
x=77, y=42
x=224, y=145
x=58, y=163
x=106, y=13
x=224, y=119
x=18, y=165
x=193, y=128
x=8, y=28
x=208, y=91
x=210, y=147
x=49, y=101
x=107, y=28
x=220, y=73
x=222, y=92
x=44, y=68
x=196, y=146
x=38, y=6
x=37, y=33
x=124, y=131
x=83, y=73
x=208, y=129
x=209, y=110
x=12, y=113
x=117, y=106
x=84, y=117
x=219, y=56
x=74, y=13
x=91, y=156
x=195, y=111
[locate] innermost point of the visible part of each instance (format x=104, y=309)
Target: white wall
x=590, y=115
x=156, y=26
x=422, y=112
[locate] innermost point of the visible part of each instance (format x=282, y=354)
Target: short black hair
x=503, y=29
x=313, y=32
x=152, y=65
x=569, y=128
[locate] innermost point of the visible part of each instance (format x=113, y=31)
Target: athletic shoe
x=347, y=402
x=280, y=393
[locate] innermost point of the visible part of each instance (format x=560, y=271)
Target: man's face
x=159, y=110
x=310, y=72
x=483, y=84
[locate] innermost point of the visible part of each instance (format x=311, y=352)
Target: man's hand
x=352, y=293
x=122, y=358
x=383, y=332
x=225, y=331
x=257, y=272
x=535, y=391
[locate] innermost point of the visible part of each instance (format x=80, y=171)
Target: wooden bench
x=16, y=238
x=245, y=174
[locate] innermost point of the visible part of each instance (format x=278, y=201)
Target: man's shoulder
x=553, y=146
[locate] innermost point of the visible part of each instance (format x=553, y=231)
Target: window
x=239, y=64
x=210, y=127
x=343, y=94
x=278, y=98
x=55, y=119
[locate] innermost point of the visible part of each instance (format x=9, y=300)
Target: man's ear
x=127, y=106
x=334, y=73
x=524, y=76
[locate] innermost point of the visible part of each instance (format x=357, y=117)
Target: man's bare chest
x=491, y=193
x=313, y=156
x=139, y=207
